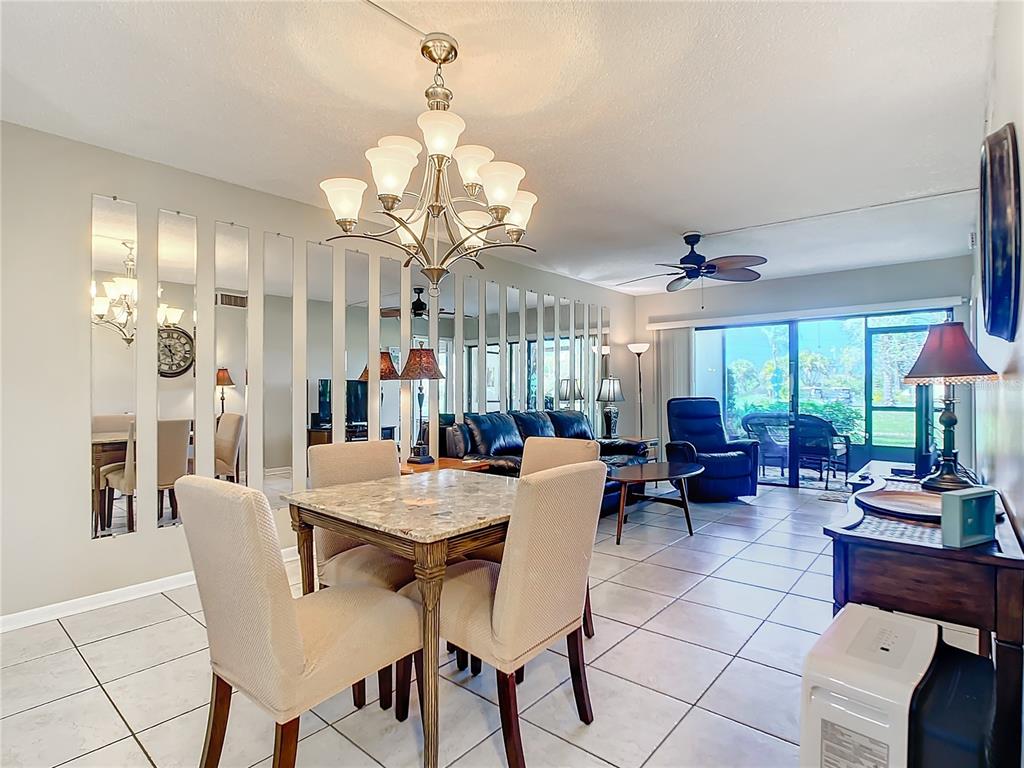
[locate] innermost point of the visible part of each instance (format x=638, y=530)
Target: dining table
x=428, y=518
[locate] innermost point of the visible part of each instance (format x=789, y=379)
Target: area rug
x=840, y=496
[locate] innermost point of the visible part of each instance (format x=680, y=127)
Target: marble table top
x=424, y=507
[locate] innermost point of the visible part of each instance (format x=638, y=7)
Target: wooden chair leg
x=450, y=647
x=461, y=659
x=359, y=694
x=159, y=503
x=216, y=723
x=384, y=686
x=403, y=686
x=130, y=503
x=475, y=665
x=520, y=675
x=108, y=518
x=174, y=504
x=578, y=668
x=286, y=743
x=588, y=617
x=508, y=706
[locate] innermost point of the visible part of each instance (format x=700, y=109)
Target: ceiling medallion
x=433, y=217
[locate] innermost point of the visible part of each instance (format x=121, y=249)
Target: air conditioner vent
x=232, y=300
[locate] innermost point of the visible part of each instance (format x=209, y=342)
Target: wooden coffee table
x=651, y=472
x=445, y=463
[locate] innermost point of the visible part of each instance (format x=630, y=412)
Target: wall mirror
x=515, y=349
x=278, y=252
x=445, y=350
x=176, y=349
x=319, y=342
x=492, y=371
x=471, y=305
x=231, y=280
x=549, y=320
x=579, y=357
x=114, y=294
x=593, y=349
x=566, y=383
x=357, y=329
x=389, y=362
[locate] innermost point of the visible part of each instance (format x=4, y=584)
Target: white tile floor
x=695, y=662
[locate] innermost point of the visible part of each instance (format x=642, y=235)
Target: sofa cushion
x=495, y=434
x=725, y=464
x=573, y=424
x=622, y=460
x=533, y=424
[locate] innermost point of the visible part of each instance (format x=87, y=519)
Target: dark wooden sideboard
x=900, y=565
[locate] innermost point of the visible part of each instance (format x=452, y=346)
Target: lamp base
x=611, y=421
x=420, y=454
x=946, y=477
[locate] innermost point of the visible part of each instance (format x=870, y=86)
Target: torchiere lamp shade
x=569, y=389
x=224, y=378
x=387, y=369
x=610, y=390
x=421, y=364
x=948, y=357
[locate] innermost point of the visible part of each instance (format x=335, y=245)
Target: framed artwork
x=1000, y=233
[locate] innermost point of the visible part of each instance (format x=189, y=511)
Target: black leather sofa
x=698, y=435
x=498, y=439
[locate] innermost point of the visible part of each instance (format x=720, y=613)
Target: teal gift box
x=968, y=516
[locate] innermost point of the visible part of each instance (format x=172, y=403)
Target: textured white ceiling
x=635, y=120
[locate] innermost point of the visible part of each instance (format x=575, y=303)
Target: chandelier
x=117, y=309
x=432, y=216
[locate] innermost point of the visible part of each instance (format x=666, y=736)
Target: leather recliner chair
x=697, y=435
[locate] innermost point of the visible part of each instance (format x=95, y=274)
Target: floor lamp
x=638, y=348
x=419, y=365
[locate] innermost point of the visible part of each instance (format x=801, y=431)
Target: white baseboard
x=103, y=599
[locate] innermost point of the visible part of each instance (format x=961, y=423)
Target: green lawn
x=893, y=429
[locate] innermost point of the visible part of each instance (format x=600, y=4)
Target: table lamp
x=949, y=358
x=569, y=391
x=223, y=380
x=638, y=348
x=610, y=392
x=421, y=364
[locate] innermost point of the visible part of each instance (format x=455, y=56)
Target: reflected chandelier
x=434, y=216
x=117, y=309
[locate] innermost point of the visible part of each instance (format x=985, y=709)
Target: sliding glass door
x=822, y=396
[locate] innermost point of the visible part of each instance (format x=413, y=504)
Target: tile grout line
x=113, y=704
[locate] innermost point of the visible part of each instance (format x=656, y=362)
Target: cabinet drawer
x=963, y=593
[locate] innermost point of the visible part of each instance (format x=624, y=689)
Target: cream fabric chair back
x=341, y=464
x=227, y=438
x=112, y=422
x=251, y=620
x=129, y=461
x=543, y=580
x=171, y=451
x=540, y=453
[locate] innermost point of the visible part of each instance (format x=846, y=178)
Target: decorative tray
x=911, y=505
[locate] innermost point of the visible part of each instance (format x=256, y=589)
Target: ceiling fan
x=692, y=266
x=419, y=307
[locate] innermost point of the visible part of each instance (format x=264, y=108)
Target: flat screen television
x=355, y=401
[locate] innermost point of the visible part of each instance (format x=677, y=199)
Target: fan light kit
x=693, y=266
x=434, y=216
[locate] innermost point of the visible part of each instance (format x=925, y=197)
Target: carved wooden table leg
x=429, y=570
x=304, y=534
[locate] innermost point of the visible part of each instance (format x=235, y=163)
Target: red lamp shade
x=421, y=364
x=224, y=378
x=387, y=369
x=948, y=357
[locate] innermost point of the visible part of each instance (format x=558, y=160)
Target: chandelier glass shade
x=117, y=308
x=436, y=228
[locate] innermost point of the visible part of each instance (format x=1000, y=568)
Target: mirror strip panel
x=373, y=349
x=458, y=376
x=405, y=429
x=339, y=310
x=146, y=373
x=300, y=347
x=481, y=346
x=253, y=375
x=206, y=348
x=502, y=349
x=434, y=306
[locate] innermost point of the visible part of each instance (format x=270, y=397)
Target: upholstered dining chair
x=343, y=560
x=287, y=654
x=226, y=442
x=122, y=479
x=171, y=459
x=540, y=453
x=508, y=614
